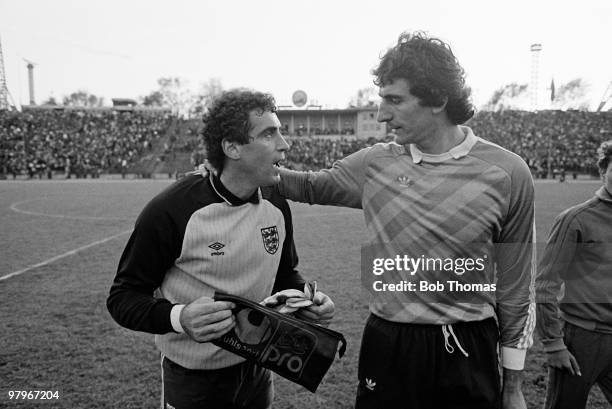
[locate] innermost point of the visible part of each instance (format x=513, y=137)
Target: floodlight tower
x=31, y=80
x=535, y=70
x=6, y=101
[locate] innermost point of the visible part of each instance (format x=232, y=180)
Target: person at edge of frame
x=226, y=231
x=576, y=331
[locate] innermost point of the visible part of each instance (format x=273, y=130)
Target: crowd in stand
x=555, y=141
x=303, y=131
x=315, y=153
x=91, y=142
x=549, y=141
x=76, y=142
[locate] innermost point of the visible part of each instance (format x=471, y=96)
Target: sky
x=327, y=48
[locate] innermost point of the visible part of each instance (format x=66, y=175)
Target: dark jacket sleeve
x=287, y=275
x=149, y=253
x=559, y=253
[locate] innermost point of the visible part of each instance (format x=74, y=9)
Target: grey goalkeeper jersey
x=191, y=240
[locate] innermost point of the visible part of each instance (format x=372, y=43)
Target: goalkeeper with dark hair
x=219, y=232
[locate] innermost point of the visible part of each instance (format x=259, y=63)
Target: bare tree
x=510, y=96
x=572, y=95
x=154, y=99
x=365, y=97
x=208, y=91
x=82, y=98
x=50, y=101
x=172, y=92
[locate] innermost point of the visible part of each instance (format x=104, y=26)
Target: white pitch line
x=14, y=208
x=68, y=253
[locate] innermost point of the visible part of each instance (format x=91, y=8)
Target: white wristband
x=175, y=318
x=513, y=358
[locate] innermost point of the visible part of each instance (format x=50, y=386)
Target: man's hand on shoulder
x=512, y=394
x=205, y=319
x=320, y=312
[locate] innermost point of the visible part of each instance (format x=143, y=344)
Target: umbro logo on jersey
x=217, y=246
x=404, y=181
x=370, y=384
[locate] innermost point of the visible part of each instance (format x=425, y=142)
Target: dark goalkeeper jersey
x=191, y=240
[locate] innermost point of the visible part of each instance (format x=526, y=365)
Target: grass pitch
x=55, y=332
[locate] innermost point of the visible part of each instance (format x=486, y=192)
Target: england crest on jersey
x=270, y=239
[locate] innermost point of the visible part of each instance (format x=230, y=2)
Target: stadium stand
x=37, y=143
x=551, y=142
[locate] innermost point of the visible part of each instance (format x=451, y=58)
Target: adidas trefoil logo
x=370, y=384
x=404, y=181
x=217, y=246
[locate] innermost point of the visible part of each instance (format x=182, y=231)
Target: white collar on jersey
x=456, y=152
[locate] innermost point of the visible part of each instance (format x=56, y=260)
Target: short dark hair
x=433, y=72
x=604, y=155
x=228, y=118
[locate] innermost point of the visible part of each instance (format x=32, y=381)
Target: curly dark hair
x=604, y=155
x=432, y=70
x=228, y=118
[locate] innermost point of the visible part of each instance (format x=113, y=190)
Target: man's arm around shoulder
x=341, y=185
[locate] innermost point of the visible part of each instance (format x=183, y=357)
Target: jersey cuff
x=513, y=358
x=554, y=345
x=175, y=315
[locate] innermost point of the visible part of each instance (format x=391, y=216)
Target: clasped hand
x=205, y=319
x=320, y=312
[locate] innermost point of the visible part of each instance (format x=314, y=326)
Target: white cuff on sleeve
x=175, y=315
x=513, y=358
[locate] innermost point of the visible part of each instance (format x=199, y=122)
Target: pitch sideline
x=66, y=254
x=14, y=207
